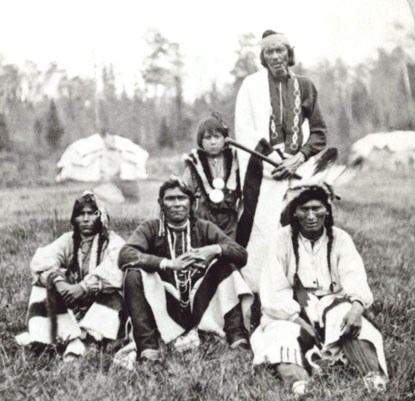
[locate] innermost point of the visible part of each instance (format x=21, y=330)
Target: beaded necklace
x=183, y=278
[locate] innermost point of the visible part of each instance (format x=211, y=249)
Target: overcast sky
x=78, y=33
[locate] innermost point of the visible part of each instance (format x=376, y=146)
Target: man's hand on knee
x=207, y=253
x=352, y=321
x=180, y=263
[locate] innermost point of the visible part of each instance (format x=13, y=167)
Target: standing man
x=276, y=107
x=181, y=276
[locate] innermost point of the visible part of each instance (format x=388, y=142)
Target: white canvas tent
x=103, y=158
x=391, y=150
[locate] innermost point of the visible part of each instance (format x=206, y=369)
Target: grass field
x=377, y=209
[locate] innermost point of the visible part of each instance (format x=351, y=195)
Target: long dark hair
x=80, y=203
x=314, y=193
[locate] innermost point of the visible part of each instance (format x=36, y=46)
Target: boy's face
x=213, y=143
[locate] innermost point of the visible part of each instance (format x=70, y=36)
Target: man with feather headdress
x=314, y=290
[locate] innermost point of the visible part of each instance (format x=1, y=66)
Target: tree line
x=47, y=110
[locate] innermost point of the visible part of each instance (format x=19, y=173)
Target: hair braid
x=74, y=268
x=328, y=223
x=102, y=242
x=294, y=239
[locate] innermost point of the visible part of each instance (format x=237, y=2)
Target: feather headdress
x=321, y=191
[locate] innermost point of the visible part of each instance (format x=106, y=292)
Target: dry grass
x=377, y=209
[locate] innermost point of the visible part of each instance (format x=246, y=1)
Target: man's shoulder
x=282, y=234
x=255, y=77
x=115, y=238
x=65, y=238
x=306, y=84
x=283, y=231
x=302, y=78
x=202, y=223
x=340, y=234
x=148, y=225
x=205, y=226
x=280, y=240
x=66, y=235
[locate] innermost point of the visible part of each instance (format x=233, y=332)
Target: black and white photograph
x=207, y=201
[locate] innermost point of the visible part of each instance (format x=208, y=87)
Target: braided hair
x=101, y=230
x=317, y=193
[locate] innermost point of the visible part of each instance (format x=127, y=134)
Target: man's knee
x=133, y=280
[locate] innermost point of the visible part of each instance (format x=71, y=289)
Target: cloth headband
x=274, y=39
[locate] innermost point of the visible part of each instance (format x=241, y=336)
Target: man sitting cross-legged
x=77, y=283
x=181, y=275
x=313, y=291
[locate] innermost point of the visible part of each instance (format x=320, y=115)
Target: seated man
x=181, y=276
x=77, y=283
x=313, y=291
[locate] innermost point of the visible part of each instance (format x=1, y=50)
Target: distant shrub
x=54, y=129
x=165, y=138
x=4, y=133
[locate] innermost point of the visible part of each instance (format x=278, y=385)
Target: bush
x=54, y=129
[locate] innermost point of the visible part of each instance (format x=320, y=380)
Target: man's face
x=311, y=216
x=276, y=58
x=87, y=221
x=175, y=205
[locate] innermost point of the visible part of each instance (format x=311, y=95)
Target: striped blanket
x=99, y=320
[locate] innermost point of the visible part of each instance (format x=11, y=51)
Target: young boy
x=212, y=173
